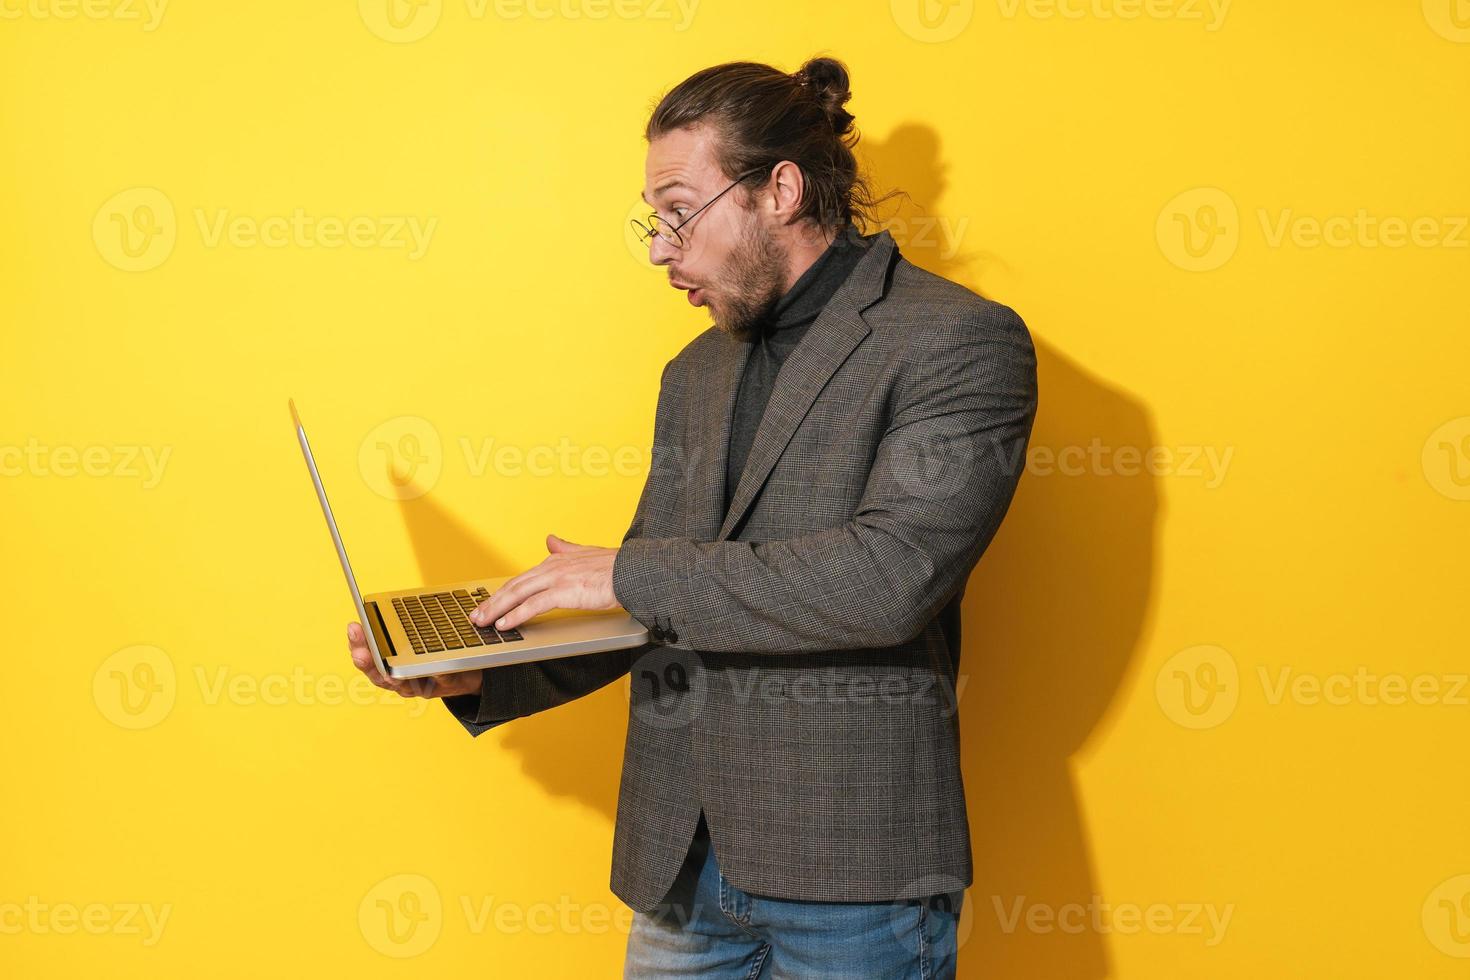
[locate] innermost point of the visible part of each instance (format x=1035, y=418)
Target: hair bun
x=826, y=80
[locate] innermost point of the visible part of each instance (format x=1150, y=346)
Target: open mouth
x=694, y=293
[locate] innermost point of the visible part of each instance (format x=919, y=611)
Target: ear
x=787, y=186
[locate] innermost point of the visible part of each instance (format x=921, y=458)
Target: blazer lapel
x=713, y=418
x=830, y=339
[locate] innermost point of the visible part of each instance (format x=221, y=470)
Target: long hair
x=761, y=116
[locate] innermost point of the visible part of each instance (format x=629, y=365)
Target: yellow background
x=1055, y=158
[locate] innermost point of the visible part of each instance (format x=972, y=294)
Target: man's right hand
x=437, y=686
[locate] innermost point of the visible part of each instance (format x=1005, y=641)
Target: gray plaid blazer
x=800, y=684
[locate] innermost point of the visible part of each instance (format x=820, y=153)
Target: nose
x=660, y=252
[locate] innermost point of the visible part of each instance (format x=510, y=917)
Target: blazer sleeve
x=518, y=690
x=942, y=478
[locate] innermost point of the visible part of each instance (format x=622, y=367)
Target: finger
x=508, y=596
x=500, y=597
x=460, y=682
x=418, y=687
x=452, y=684
x=402, y=688
x=378, y=680
x=377, y=677
x=534, y=606
x=357, y=646
x=557, y=545
x=362, y=658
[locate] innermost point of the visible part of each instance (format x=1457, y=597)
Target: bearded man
x=831, y=457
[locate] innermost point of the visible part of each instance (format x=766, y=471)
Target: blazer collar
x=838, y=329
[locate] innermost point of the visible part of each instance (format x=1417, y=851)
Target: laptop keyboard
x=440, y=621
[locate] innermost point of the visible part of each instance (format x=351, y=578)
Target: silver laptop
x=422, y=631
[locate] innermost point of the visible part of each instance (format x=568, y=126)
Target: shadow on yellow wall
x=575, y=751
x=1052, y=617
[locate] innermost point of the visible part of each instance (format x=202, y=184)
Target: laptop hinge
x=380, y=630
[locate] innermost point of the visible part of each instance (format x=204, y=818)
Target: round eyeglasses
x=656, y=225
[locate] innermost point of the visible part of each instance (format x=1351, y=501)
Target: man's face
x=730, y=262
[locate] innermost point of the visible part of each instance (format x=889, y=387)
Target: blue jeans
x=707, y=927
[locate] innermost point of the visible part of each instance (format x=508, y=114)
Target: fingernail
x=500, y=622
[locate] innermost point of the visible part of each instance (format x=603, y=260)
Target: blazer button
x=657, y=633
x=670, y=636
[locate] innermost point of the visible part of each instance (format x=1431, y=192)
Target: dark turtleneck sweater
x=779, y=335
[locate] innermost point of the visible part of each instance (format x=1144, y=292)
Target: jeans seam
x=760, y=960
x=725, y=910
x=926, y=969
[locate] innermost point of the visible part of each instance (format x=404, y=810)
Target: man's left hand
x=573, y=576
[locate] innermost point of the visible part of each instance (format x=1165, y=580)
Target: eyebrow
x=666, y=185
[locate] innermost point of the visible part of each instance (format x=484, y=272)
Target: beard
x=749, y=287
